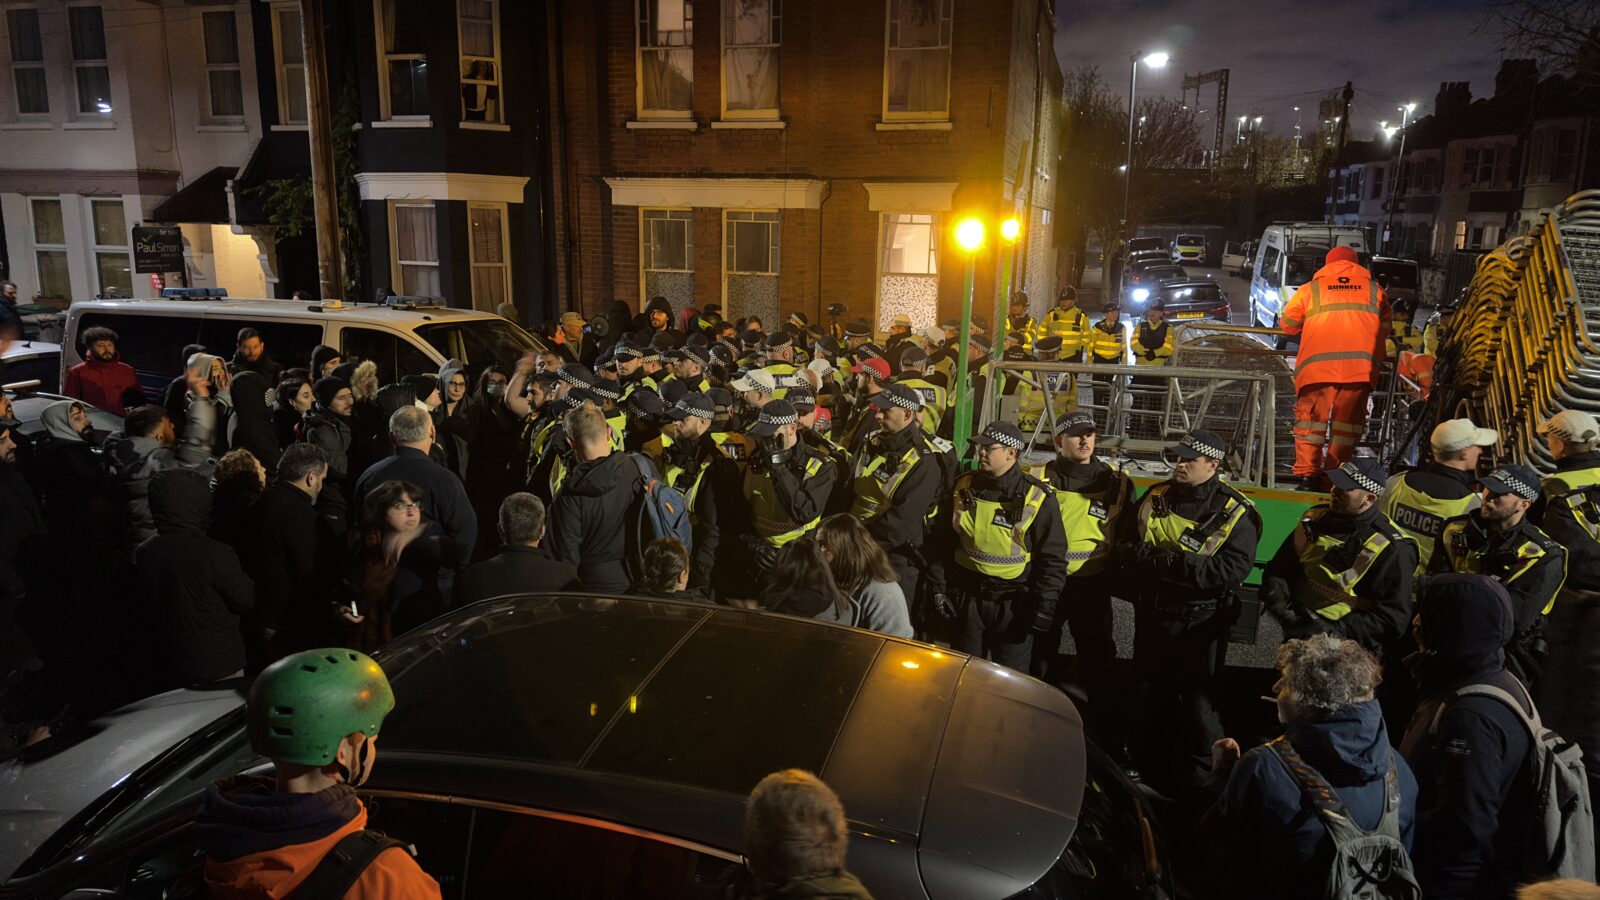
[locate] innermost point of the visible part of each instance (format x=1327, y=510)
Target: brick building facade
x=770, y=157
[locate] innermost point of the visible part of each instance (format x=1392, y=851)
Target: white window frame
x=385, y=113
x=498, y=82
x=505, y=252
x=397, y=278
x=775, y=45
x=645, y=218
x=78, y=111
x=97, y=249
x=33, y=239
x=209, y=68
x=280, y=68
x=641, y=14
x=22, y=65
x=922, y=115
x=935, y=225
x=775, y=245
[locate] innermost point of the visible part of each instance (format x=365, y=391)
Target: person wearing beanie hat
x=1422, y=500
x=1499, y=540
x=328, y=426
x=324, y=360
x=1191, y=546
x=1340, y=317
x=1345, y=569
x=1001, y=527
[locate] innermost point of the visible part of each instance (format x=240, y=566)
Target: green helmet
x=302, y=706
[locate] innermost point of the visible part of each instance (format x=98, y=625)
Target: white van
x=404, y=336
x=1288, y=254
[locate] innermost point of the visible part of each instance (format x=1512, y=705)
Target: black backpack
x=333, y=877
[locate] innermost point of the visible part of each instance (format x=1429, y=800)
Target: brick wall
x=831, y=95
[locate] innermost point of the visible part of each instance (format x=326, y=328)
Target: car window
x=44, y=368
x=288, y=343
x=519, y=855
x=1269, y=266
x=1395, y=275
x=1302, y=263
x=150, y=344
x=438, y=831
x=478, y=342
x=394, y=355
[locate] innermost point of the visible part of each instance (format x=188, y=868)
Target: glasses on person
x=405, y=506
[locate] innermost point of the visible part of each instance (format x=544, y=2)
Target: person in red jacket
x=1340, y=316
x=102, y=379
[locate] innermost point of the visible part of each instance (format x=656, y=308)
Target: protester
x=664, y=573
x=237, y=481
x=394, y=582
x=251, y=425
x=795, y=838
x=443, y=497
x=521, y=565
x=324, y=360
x=800, y=583
x=861, y=569
x=294, y=556
x=328, y=428
x=589, y=520
x=292, y=399
x=147, y=444
x=102, y=379
x=251, y=356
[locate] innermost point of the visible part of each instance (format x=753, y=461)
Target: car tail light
x=1222, y=312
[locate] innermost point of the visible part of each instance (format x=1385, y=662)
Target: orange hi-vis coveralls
x=1340, y=316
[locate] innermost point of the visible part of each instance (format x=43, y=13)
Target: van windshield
x=1302, y=263
x=1191, y=240
x=479, y=342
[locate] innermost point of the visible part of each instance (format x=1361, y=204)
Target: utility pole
x=319, y=119
x=1338, y=151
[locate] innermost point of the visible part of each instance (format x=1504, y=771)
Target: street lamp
x=1155, y=60
x=1010, y=230
x=1399, y=160
x=969, y=237
x=1238, y=133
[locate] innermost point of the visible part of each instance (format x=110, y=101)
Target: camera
x=837, y=309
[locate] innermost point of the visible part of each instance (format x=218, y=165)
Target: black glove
x=1162, y=559
x=1041, y=622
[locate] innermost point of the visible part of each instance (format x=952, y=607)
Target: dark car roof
x=979, y=768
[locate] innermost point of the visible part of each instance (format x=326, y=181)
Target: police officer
x=1498, y=540
x=1569, y=508
x=1345, y=569
x=856, y=333
x=1191, y=543
x=1020, y=322
x=779, y=363
x=690, y=458
x=1061, y=387
x=1069, y=323
x=1403, y=335
x=787, y=484
x=899, y=333
x=1108, y=346
x=690, y=363
x=1092, y=498
x=978, y=378
x=753, y=389
x=913, y=368
x=1002, y=529
x=943, y=359
x=898, y=478
x=629, y=362
x=1422, y=500
x=870, y=378
x=810, y=414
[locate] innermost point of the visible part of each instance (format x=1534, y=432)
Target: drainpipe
x=827, y=194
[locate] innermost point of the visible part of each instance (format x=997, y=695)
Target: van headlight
x=1140, y=295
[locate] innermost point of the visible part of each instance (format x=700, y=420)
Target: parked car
x=1401, y=279
x=1140, y=284
x=534, y=730
x=1237, y=257
x=27, y=404
x=1189, y=248
x=1135, y=245
x=1193, y=298
x=407, y=336
x=27, y=361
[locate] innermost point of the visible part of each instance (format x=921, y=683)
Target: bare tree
x=1563, y=35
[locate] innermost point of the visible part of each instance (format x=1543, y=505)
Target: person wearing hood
x=494, y=430
x=251, y=425
x=175, y=396
x=589, y=518
x=328, y=427
x=192, y=586
x=450, y=417
x=316, y=715
x=1468, y=752
x=147, y=443
x=103, y=379
x=1265, y=840
x=1345, y=569
x=324, y=360
x=251, y=355
x=658, y=319
x=445, y=502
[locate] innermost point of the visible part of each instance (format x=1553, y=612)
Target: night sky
x=1284, y=53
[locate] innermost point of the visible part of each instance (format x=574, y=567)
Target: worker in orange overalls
x=1342, y=318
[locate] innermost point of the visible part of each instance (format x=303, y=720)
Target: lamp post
x=1154, y=60
x=1010, y=229
x=969, y=237
x=1399, y=160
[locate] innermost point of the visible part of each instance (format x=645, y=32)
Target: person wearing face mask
x=1499, y=540
x=317, y=716
x=1188, y=546
x=787, y=484
x=1265, y=835
x=1345, y=569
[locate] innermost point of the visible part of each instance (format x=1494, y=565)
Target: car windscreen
x=1161, y=273
x=1137, y=244
x=479, y=342
x=1191, y=240
x=1192, y=295
x=1395, y=275
x=1302, y=263
x=652, y=690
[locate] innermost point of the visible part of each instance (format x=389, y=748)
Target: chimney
x=1452, y=101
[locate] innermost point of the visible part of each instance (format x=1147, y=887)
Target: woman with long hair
x=290, y=404
x=393, y=584
x=861, y=569
x=666, y=572
x=800, y=584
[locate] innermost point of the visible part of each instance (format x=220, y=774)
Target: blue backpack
x=663, y=509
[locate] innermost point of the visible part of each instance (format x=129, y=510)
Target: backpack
x=1367, y=865
x=663, y=509
x=338, y=871
x=1559, y=834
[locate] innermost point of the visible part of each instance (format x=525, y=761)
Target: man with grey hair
x=521, y=565
x=445, y=500
x=1267, y=839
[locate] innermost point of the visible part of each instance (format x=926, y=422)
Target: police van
x=404, y=335
x=1287, y=255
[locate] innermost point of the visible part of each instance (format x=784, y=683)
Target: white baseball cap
x=1459, y=434
x=822, y=367
x=755, y=380
x=1572, y=425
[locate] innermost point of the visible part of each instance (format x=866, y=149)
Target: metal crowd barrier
x=1525, y=342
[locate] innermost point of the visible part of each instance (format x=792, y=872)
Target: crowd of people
x=254, y=512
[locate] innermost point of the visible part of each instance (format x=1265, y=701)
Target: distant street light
x=1154, y=60
x=1399, y=160
x=1010, y=230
